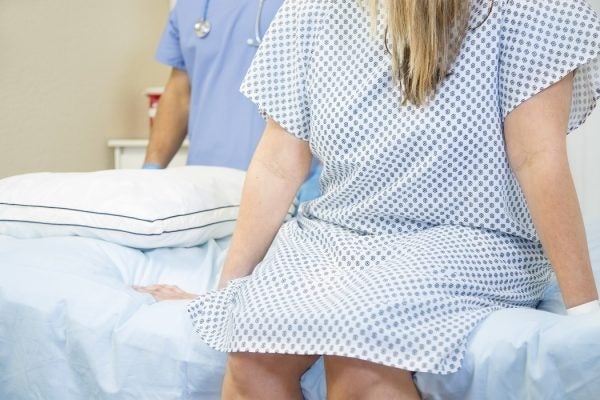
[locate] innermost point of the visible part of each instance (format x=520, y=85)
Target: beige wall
x=72, y=75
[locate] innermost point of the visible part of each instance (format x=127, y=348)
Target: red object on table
x=153, y=94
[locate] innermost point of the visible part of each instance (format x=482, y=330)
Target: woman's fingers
x=165, y=292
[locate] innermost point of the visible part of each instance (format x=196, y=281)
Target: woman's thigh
x=351, y=378
x=253, y=375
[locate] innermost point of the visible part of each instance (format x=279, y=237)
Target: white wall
x=584, y=155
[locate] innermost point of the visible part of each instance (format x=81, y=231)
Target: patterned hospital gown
x=421, y=229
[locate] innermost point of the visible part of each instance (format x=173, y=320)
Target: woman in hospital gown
x=431, y=217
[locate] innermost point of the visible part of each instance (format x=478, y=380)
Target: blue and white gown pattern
x=421, y=229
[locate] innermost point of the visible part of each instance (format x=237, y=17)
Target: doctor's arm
x=535, y=135
x=170, y=124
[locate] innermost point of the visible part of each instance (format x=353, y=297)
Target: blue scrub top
x=224, y=126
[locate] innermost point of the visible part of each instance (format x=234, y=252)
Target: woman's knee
x=255, y=371
x=350, y=378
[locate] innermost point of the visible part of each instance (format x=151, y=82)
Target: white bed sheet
x=72, y=328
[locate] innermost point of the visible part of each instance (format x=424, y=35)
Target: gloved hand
x=587, y=308
x=151, y=165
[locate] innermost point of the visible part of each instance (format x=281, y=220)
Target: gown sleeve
x=278, y=80
x=541, y=42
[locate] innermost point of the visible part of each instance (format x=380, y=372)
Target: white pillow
x=176, y=207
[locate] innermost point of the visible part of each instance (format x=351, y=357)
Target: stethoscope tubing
x=257, y=35
x=256, y=41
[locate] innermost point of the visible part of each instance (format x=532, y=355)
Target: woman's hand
x=166, y=292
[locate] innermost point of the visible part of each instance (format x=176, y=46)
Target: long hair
x=423, y=38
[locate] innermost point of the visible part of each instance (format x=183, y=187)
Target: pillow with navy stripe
x=175, y=207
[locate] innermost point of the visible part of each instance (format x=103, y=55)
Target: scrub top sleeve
x=541, y=42
x=169, y=47
x=279, y=76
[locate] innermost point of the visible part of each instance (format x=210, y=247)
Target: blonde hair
x=423, y=38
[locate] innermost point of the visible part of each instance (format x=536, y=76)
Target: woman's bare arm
x=535, y=134
x=278, y=168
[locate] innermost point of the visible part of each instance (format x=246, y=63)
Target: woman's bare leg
x=258, y=376
x=350, y=378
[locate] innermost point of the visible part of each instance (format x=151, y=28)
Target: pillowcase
x=175, y=207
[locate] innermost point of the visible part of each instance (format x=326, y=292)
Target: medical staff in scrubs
x=209, y=44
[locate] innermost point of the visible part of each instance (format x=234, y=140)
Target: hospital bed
x=71, y=327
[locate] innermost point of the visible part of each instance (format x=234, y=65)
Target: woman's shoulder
x=303, y=17
x=310, y=8
x=540, y=10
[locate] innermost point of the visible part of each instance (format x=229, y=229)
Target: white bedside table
x=130, y=153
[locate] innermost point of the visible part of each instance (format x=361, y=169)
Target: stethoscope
x=203, y=26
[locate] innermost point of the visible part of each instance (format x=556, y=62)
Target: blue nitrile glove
x=310, y=189
x=151, y=165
